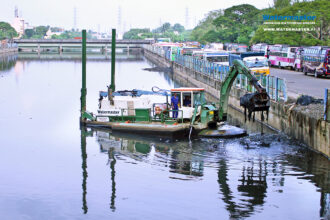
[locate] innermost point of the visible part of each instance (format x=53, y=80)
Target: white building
x=49, y=33
x=18, y=25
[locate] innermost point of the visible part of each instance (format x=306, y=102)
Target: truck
x=255, y=61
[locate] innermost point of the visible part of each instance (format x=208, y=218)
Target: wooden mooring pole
x=83, y=86
x=113, y=60
x=112, y=86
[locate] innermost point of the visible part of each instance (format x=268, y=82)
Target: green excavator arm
x=238, y=68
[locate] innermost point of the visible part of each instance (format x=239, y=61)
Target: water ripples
x=271, y=155
x=247, y=169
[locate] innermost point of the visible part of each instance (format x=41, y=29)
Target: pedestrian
x=175, y=105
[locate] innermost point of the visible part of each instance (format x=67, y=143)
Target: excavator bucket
x=253, y=102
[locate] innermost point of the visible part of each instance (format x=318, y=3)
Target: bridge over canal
x=61, y=45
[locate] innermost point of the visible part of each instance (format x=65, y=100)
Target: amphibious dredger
x=153, y=112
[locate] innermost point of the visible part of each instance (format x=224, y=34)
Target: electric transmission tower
x=187, y=18
x=119, y=20
x=75, y=18
x=16, y=12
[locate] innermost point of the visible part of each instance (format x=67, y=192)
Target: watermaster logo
x=301, y=23
x=288, y=18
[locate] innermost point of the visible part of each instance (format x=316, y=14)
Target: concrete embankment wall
x=315, y=133
x=8, y=50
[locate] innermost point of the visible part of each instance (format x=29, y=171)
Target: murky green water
x=50, y=169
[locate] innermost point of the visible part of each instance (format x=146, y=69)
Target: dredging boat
x=151, y=112
x=172, y=113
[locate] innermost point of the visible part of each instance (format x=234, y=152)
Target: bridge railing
x=276, y=87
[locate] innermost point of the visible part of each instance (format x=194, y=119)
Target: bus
x=216, y=46
x=221, y=58
x=242, y=48
x=236, y=48
x=261, y=47
x=198, y=54
x=316, y=60
x=282, y=56
x=298, y=59
x=170, y=49
x=188, y=51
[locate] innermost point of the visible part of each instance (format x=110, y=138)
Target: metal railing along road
x=276, y=87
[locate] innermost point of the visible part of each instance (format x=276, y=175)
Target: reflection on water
x=112, y=161
x=84, y=168
x=7, y=61
x=246, y=176
x=252, y=186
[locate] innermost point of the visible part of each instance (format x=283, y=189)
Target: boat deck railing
x=165, y=116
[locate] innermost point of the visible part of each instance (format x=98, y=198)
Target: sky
x=104, y=14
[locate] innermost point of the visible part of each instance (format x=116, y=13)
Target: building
x=50, y=33
x=18, y=24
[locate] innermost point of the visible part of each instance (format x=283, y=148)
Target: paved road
x=297, y=83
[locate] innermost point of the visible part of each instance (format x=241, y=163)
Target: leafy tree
x=56, y=29
x=7, y=31
x=244, y=24
x=29, y=33
x=163, y=28
x=137, y=33
x=72, y=34
x=212, y=36
x=41, y=30
x=206, y=25
x=166, y=27
x=278, y=4
x=178, y=27
x=237, y=22
x=234, y=24
x=176, y=33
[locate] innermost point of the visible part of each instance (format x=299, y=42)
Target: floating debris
x=158, y=69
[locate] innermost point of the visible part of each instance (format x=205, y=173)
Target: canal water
x=52, y=169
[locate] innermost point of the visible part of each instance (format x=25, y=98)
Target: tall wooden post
x=83, y=87
x=113, y=60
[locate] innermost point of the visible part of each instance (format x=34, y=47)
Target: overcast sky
x=93, y=14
